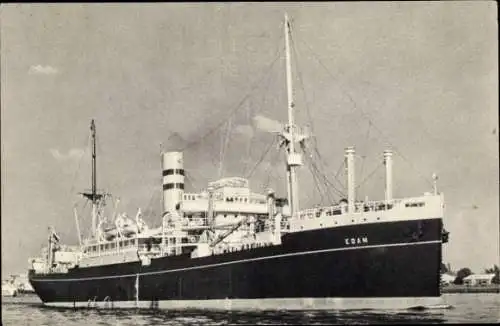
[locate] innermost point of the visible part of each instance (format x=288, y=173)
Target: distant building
x=447, y=279
x=479, y=279
x=20, y=281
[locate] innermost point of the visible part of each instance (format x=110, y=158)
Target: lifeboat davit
x=126, y=227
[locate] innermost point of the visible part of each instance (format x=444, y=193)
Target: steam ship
x=228, y=247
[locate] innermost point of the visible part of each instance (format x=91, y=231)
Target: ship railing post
x=388, y=177
x=49, y=253
x=137, y=291
x=163, y=226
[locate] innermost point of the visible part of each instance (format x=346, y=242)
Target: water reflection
x=468, y=308
x=190, y=317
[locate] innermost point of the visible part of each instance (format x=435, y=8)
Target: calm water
x=470, y=308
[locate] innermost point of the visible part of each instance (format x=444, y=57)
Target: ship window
x=173, y=171
x=173, y=186
x=419, y=204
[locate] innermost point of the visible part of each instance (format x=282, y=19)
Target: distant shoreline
x=453, y=288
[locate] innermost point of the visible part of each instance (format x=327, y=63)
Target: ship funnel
x=173, y=181
x=351, y=190
x=388, y=174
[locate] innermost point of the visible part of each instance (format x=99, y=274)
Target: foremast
x=94, y=196
x=291, y=133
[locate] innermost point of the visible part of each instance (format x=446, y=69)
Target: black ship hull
x=368, y=261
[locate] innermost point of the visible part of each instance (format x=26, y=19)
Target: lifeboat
x=124, y=226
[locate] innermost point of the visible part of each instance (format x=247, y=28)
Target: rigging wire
x=316, y=175
x=273, y=141
x=150, y=208
x=224, y=146
x=189, y=179
x=325, y=179
x=79, y=164
x=301, y=81
x=365, y=149
x=98, y=145
x=366, y=116
x=369, y=175
x=82, y=214
x=264, y=101
x=338, y=171
x=329, y=185
x=311, y=123
x=316, y=183
x=269, y=170
x=341, y=167
x=239, y=105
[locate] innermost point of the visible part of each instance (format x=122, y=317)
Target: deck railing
x=369, y=206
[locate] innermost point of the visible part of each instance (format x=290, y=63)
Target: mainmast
x=290, y=132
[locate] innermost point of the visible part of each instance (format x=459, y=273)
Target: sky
x=420, y=78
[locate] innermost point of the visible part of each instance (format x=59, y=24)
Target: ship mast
x=290, y=132
x=93, y=195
